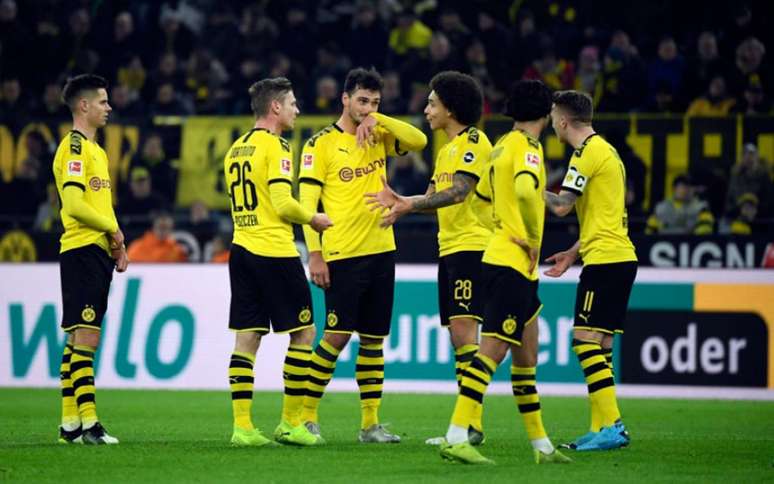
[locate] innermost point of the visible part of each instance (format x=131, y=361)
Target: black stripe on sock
x=241, y=358
x=242, y=395
x=68, y=392
x=297, y=392
x=323, y=353
x=602, y=365
x=370, y=381
x=466, y=356
x=85, y=398
x=370, y=395
x=475, y=377
x=369, y=367
x=241, y=379
x=599, y=385
x=529, y=407
x=297, y=363
x=300, y=350
x=65, y=375
x=589, y=354
x=470, y=393
x=526, y=390
x=66, y=358
x=480, y=365
x=240, y=364
x=313, y=394
x=317, y=381
x=84, y=380
x=80, y=365
x=321, y=369
x=292, y=377
x=86, y=353
x=370, y=353
x=515, y=378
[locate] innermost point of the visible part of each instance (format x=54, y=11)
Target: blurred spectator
x=140, y=199
x=122, y=45
x=258, y=32
x=408, y=174
x=667, y=68
x=716, y=102
x=684, y=213
x=497, y=40
x=299, y=33
x=754, y=100
x=125, y=105
x=588, y=77
x=422, y=69
x=168, y=103
x=153, y=158
x=23, y=194
x=14, y=111
x=477, y=66
x=167, y=72
x=663, y=101
x=50, y=107
x=202, y=222
x=623, y=76
x=78, y=37
x=750, y=175
x=523, y=52
x=205, y=79
x=331, y=62
x=454, y=29
x=392, y=101
x=705, y=65
x=220, y=251
x=327, y=96
x=368, y=39
x=14, y=37
x=743, y=219
x=48, y=217
x=749, y=66
x=409, y=36
x=173, y=36
x=158, y=245
x=132, y=74
x=556, y=73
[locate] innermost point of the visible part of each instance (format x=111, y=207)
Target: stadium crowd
x=180, y=58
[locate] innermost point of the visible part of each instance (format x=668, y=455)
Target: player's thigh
x=86, y=274
x=511, y=303
x=375, y=307
x=603, y=296
x=464, y=292
x=343, y=297
x=285, y=285
x=248, y=306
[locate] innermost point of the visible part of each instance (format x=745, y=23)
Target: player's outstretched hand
x=364, y=131
x=532, y=252
x=318, y=269
x=385, y=198
x=562, y=261
x=121, y=258
x=320, y=222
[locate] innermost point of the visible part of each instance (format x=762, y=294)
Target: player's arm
x=462, y=185
x=527, y=200
x=563, y=260
x=310, y=185
x=75, y=206
x=562, y=203
x=407, y=137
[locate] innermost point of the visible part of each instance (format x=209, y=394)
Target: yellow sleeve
x=309, y=193
x=482, y=200
x=528, y=200
x=313, y=167
x=74, y=162
x=76, y=207
x=474, y=155
x=400, y=137
x=286, y=206
x=279, y=162
x=529, y=160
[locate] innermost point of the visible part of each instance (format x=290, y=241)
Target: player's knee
x=462, y=332
x=523, y=359
x=337, y=340
x=303, y=337
x=587, y=335
x=86, y=337
x=247, y=342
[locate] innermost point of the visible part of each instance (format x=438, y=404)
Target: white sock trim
x=456, y=435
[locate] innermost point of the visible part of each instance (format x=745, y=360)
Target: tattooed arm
x=462, y=185
x=560, y=204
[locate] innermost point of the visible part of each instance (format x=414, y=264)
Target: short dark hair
x=578, y=105
x=528, y=100
x=368, y=79
x=263, y=92
x=461, y=94
x=76, y=86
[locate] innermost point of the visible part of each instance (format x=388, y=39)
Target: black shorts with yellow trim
x=268, y=292
x=603, y=296
x=512, y=303
x=361, y=295
x=86, y=273
x=460, y=294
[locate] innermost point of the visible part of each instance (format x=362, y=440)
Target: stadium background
x=703, y=305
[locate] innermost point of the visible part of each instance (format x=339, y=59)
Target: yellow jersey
x=346, y=172
x=256, y=160
x=597, y=175
x=83, y=163
x=458, y=227
x=516, y=153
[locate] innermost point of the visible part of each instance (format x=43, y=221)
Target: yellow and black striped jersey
x=458, y=227
x=254, y=161
x=83, y=163
x=516, y=153
x=597, y=175
x=346, y=172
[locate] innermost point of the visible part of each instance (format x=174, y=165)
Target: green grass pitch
x=182, y=436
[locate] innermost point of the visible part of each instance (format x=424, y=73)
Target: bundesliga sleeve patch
x=532, y=160
x=307, y=162
x=285, y=166
x=75, y=168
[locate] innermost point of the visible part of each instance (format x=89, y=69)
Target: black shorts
x=361, y=295
x=85, y=273
x=459, y=286
x=511, y=303
x=603, y=295
x=268, y=290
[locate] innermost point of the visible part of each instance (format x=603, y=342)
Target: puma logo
x=233, y=379
x=519, y=390
x=585, y=318
x=466, y=306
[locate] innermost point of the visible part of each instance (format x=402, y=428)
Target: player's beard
x=352, y=117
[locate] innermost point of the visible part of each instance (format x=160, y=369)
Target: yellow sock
x=369, y=372
x=82, y=375
x=599, y=379
x=475, y=380
x=294, y=374
x=240, y=377
x=462, y=358
x=321, y=369
x=525, y=392
x=71, y=419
